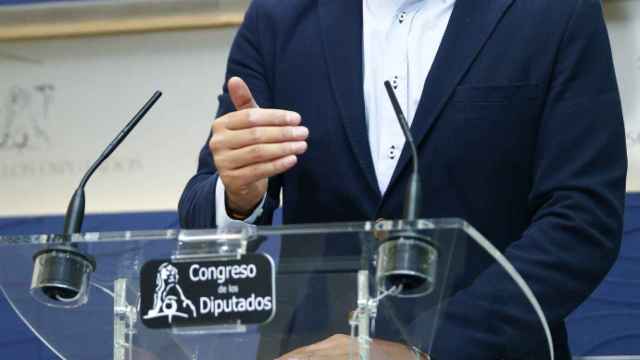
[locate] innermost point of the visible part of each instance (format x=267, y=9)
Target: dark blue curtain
x=609, y=323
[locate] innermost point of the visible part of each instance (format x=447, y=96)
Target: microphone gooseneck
x=75, y=211
x=413, y=195
x=406, y=261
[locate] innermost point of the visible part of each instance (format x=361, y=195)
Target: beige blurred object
x=69, y=19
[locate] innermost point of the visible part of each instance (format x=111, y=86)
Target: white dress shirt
x=400, y=42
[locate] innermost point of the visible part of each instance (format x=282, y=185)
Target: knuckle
x=264, y=171
x=230, y=177
x=287, y=132
x=215, y=143
x=219, y=162
x=255, y=135
x=261, y=170
x=283, y=117
x=286, y=148
x=252, y=116
x=276, y=166
x=255, y=153
x=218, y=124
x=224, y=175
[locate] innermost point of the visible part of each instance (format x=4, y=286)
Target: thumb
x=240, y=94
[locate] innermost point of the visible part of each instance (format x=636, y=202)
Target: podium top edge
x=243, y=232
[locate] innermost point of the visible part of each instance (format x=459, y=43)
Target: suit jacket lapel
x=471, y=24
x=341, y=23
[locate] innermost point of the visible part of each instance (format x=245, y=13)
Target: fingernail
x=293, y=118
x=300, y=131
x=290, y=160
x=299, y=146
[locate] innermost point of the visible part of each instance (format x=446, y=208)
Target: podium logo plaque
x=237, y=291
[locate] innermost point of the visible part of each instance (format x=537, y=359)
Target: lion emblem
x=169, y=299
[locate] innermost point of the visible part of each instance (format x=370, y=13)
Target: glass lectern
x=326, y=279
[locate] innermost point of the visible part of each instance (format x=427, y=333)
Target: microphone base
x=61, y=276
x=409, y=261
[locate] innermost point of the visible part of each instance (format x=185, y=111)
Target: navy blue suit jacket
x=519, y=129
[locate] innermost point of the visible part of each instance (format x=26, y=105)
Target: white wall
x=623, y=19
x=96, y=84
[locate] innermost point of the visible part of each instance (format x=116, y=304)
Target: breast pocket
x=495, y=124
x=496, y=101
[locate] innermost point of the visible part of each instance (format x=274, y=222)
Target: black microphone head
x=394, y=101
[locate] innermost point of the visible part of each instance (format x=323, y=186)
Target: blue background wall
x=607, y=324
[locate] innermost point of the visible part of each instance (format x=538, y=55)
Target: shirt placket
x=396, y=72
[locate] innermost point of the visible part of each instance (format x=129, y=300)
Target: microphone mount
x=61, y=272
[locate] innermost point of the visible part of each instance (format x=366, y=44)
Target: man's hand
x=252, y=144
x=344, y=347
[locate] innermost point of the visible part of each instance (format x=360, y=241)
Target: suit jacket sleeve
x=576, y=205
x=197, y=204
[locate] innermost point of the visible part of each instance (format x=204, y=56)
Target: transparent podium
x=197, y=294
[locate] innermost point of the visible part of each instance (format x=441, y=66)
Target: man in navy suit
x=519, y=131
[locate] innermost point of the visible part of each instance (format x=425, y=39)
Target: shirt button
x=392, y=152
x=402, y=17
x=394, y=82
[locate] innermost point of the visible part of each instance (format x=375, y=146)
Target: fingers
x=258, y=153
x=252, y=144
x=253, y=173
x=249, y=118
x=337, y=340
x=345, y=347
x=260, y=135
x=240, y=94
x=334, y=347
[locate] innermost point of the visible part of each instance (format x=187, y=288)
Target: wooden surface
x=86, y=19
x=106, y=27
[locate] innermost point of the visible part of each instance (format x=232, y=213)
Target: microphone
x=75, y=211
x=61, y=272
x=412, y=198
x=407, y=261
